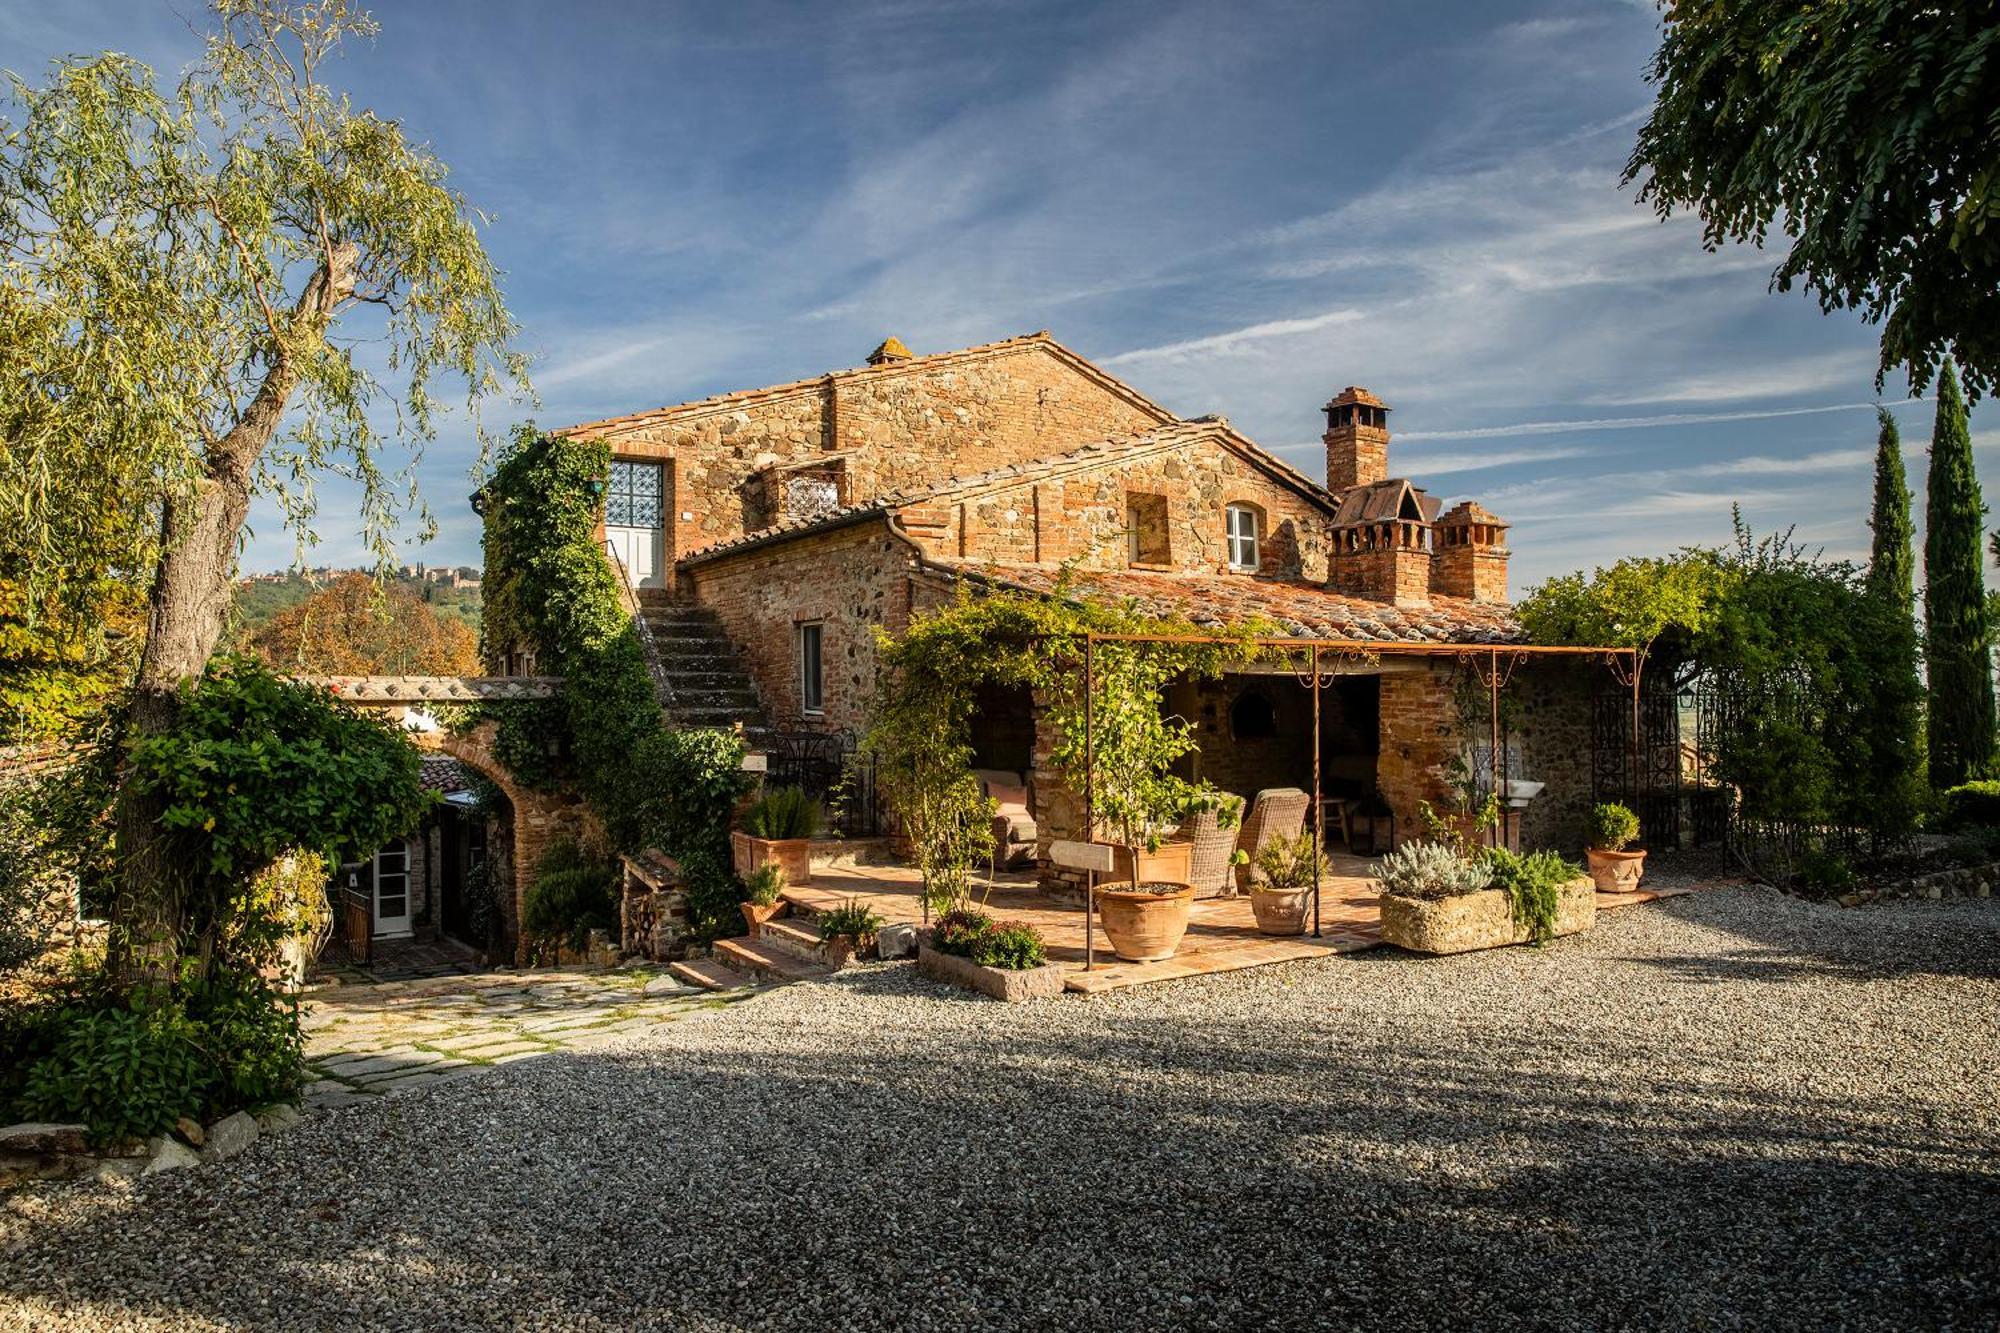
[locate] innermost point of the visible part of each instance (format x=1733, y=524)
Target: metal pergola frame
x=1492, y=663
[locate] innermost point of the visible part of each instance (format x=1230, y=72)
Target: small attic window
x=1146, y=530
x=1243, y=530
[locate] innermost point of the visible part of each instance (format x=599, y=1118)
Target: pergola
x=1492, y=663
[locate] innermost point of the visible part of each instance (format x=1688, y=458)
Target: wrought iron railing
x=827, y=767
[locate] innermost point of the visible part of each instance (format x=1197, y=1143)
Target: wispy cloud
x=1236, y=340
x=1639, y=423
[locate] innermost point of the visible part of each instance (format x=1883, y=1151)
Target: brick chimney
x=1357, y=439
x=1381, y=542
x=1470, y=555
x=892, y=349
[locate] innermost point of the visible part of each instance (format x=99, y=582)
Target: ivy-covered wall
x=553, y=603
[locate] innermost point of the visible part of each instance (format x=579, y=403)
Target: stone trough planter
x=1483, y=920
x=1013, y=986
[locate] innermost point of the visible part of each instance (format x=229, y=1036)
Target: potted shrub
x=777, y=829
x=1008, y=960
x=1436, y=899
x=1132, y=747
x=849, y=930
x=1281, y=884
x=763, y=898
x=1613, y=868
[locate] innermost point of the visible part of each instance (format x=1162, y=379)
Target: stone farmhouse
x=770, y=531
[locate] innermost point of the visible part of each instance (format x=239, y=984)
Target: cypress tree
x=1961, y=713
x=1894, y=725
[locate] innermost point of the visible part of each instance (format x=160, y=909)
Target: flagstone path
x=364, y=1042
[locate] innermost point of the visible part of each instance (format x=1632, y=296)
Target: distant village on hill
x=453, y=590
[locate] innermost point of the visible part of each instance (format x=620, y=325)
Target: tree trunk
x=187, y=609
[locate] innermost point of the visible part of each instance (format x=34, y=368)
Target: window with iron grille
x=633, y=499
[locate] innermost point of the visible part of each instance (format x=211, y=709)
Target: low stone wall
x=1483, y=920
x=64, y=1152
x=1011, y=986
x=1960, y=882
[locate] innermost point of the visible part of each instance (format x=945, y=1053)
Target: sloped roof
x=443, y=774
x=1383, y=500
x=911, y=365
x=1101, y=453
x=1302, y=610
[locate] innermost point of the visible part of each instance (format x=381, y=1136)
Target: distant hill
x=451, y=592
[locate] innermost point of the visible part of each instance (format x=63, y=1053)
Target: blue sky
x=1238, y=208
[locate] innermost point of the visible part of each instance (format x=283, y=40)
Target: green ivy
x=549, y=587
x=255, y=767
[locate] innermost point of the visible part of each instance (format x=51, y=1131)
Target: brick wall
x=1400, y=575
x=850, y=580
x=1419, y=740
x=1475, y=572
x=892, y=427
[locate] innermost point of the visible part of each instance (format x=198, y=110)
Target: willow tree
x=185, y=277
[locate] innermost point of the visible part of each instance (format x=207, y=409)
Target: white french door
x=635, y=521
x=392, y=889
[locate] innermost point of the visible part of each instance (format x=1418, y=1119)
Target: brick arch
x=538, y=816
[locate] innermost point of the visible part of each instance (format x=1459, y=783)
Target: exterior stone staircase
x=787, y=949
x=702, y=681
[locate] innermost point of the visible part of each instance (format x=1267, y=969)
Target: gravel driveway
x=1733, y=1110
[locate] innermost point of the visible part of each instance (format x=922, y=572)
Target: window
x=1146, y=529
x=1242, y=522
x=633, y=498
x=812, y=674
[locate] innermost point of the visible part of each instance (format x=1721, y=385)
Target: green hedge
x=1972, y=805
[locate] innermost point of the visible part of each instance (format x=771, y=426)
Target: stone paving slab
x=364, y=1042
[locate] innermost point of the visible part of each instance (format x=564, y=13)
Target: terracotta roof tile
x=444, y=775
x=1303, y=610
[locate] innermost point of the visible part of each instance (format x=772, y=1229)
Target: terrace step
x=768, y=961
x=709, y=974
x=790, y=937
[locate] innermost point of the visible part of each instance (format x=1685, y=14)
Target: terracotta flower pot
x=840, y=950
x=791, y=855
x=1146, y=925
x=1171, y=863
x=756, y=914
x=1615, y=872
x=1281, y=911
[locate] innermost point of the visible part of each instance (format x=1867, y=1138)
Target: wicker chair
x=1213, y=846
x=1278, y=812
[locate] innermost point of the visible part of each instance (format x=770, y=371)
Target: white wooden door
x=635, y=520
x=392, y=889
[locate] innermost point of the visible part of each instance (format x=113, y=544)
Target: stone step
x=678, y=613
x=711, y=717
x=736, y=700
x=712, y=678
x=799, y=939
x=767, y=961
x=709, y=974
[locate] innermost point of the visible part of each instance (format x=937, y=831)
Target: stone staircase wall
x=703, y=681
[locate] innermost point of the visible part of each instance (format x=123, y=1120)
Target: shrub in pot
x=1281, y=884
x=777, y=829
x=848, y=930
x=763, y=897
x=1613, y=868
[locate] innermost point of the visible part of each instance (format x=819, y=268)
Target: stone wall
x=1084, y=517
x=851, y=580
x=1552, y=733
x=877, y=429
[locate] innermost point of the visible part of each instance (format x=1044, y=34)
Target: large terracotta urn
x=1615, y=872
x=1146, y=924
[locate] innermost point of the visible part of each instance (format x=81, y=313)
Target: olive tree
x=185, y=277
